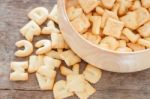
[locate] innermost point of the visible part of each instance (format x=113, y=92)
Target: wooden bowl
x=103, y=59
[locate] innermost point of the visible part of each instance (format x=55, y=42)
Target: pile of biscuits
x=48, y=57
x=117, y=25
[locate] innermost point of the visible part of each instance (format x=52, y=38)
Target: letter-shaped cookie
x=29, y=30
x=65, y=71
x=28, y=48
x=76, y=68
x=92, y=74
x=39, y=15
x=53, y=54
x=19, y=73
x=60, y=90
x=75, y=79
x=35, y=62
x=45, y=46
x=89, y=90
x=58, y=41
x=54, y=14
x=53, y=63
x=51, y=28
x=46, y=77
x=70, y=58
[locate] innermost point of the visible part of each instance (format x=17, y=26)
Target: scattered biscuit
x=75, y=68
x=45, y=84
x=53, y=54
x=47, y=60
x=65, y=71
x=28, y=48
x=29, y=30
x=39, y=15
x=46, y=77
x=75, y=79
x=92, y=74
x=19, y=73
x=41, y=60
x=89, y=90
x=46, y=71
x=60, y=90
x=58, y=41
x=51, y=28
x=44, y=46
x=54, y=14
x=53, y=63
x=70, y=57
x=33, y=64
x=90, y=18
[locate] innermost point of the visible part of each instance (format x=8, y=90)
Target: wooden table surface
x=12, y=18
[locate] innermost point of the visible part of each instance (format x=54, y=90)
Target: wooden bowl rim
x=94, y=45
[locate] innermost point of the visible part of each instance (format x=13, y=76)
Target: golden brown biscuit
x=39, y=15
x=70, y=57
x=60, y=90
x=19, y=73
x=28, y=48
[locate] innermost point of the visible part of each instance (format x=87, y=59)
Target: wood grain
x=5, y=94
x=106, y=94
x=111, y=86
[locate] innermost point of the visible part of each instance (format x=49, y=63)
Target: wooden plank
x=106, y=94
x=132, y=81
x=121, y=94
x=5, y=94
x=18, y=94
